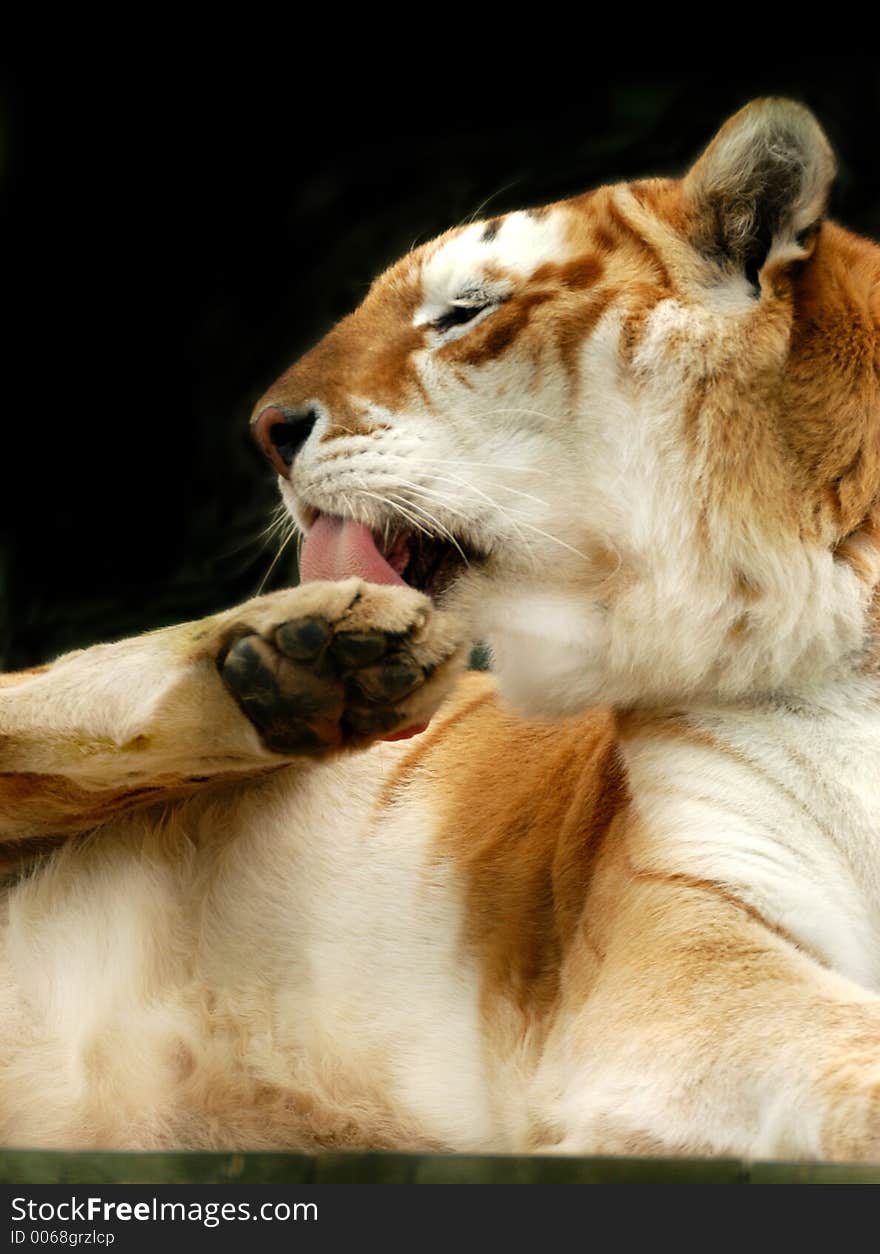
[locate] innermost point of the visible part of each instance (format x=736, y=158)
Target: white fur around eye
x=521, y=244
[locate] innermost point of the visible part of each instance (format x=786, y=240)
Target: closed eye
x=459, y=315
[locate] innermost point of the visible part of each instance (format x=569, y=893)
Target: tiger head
x=633, y=437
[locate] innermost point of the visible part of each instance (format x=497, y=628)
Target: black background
x=171, y=248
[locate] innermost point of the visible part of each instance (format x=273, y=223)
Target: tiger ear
x=760, y=189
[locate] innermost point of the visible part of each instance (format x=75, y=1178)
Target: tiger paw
x=328, y=666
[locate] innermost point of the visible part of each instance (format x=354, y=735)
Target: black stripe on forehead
x=490, y=230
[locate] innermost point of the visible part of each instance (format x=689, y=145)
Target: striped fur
x=629, y=905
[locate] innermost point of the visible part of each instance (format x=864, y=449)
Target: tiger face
x=631, y=436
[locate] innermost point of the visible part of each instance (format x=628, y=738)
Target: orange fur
x=643, y=927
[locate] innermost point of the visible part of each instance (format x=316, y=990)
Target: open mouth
x=337, y=548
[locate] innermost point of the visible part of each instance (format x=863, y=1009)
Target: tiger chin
x=288, y=878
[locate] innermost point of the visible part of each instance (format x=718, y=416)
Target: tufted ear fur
x=759, y=190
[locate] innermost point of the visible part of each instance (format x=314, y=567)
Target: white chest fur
x=781, y=807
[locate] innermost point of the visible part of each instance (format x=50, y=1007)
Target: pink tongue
x=337, y=548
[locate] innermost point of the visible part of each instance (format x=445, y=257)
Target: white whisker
x=263, y=536
x=467, y=465
x=495, y=485
x=518, y=521
x=444, y=531
x=431, y=494
x=515, y=522
x=395, y=507
x=274, y=563
x=394, y=503
x=398, y=501
x=277, y=525
x=479, y=209
x=554, y=539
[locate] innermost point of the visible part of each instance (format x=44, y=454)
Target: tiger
x=292, y=877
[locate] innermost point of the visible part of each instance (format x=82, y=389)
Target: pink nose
x=281, y=434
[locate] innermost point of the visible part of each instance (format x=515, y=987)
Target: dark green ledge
x=49, y=1167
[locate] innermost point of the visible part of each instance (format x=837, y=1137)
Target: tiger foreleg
x=295, y=675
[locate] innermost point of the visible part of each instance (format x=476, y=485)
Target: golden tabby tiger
x=632, y=440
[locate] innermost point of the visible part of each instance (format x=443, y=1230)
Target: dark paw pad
x=391, y=680
x=352, y=649
x=304, y=639
x=308, y=688
x=295, y=708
